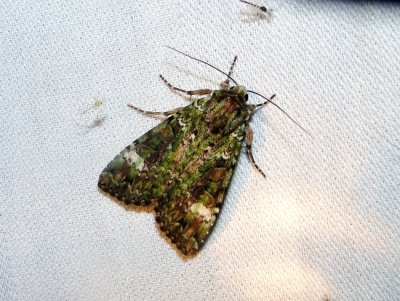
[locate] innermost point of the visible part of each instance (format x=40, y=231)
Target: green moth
x=182, y=168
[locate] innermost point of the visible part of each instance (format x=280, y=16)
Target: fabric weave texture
x=324, y=224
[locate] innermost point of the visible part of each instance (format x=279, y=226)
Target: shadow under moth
x=182, y=168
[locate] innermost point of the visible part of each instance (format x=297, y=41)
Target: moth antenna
x=282, y=110
x=249, y=91
x=262, y=8
x=204, y=62
x=225, y=84
x=233, y=65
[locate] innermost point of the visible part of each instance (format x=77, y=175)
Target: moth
x=182, y=168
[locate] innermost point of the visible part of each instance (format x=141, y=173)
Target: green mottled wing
x=140, y=174
x=188, y=212
x=182, y=167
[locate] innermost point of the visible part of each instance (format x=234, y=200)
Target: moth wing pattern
x=189, y=211
x=182, y=167
x=140, y=174
x=136, y=175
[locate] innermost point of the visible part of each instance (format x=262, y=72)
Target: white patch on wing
x=225, y=156
x=132, y=157
x=202, y=211
x=181, y=122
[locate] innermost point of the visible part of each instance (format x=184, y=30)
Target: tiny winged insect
x=182, y=168
x=97, y=104
x=261, y=8
x=255, y=13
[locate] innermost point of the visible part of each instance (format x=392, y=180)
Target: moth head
x=241, y=92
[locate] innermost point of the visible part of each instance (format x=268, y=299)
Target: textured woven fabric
x=324, y=224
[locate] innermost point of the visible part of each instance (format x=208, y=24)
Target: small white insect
x=97, y=104
x=98, y=121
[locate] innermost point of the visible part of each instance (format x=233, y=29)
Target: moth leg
x=249, y=141
x=225, y=84
x=192, y=92
x=265, y=102
x=152, y=113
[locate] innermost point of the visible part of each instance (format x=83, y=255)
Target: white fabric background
x=325, y=223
